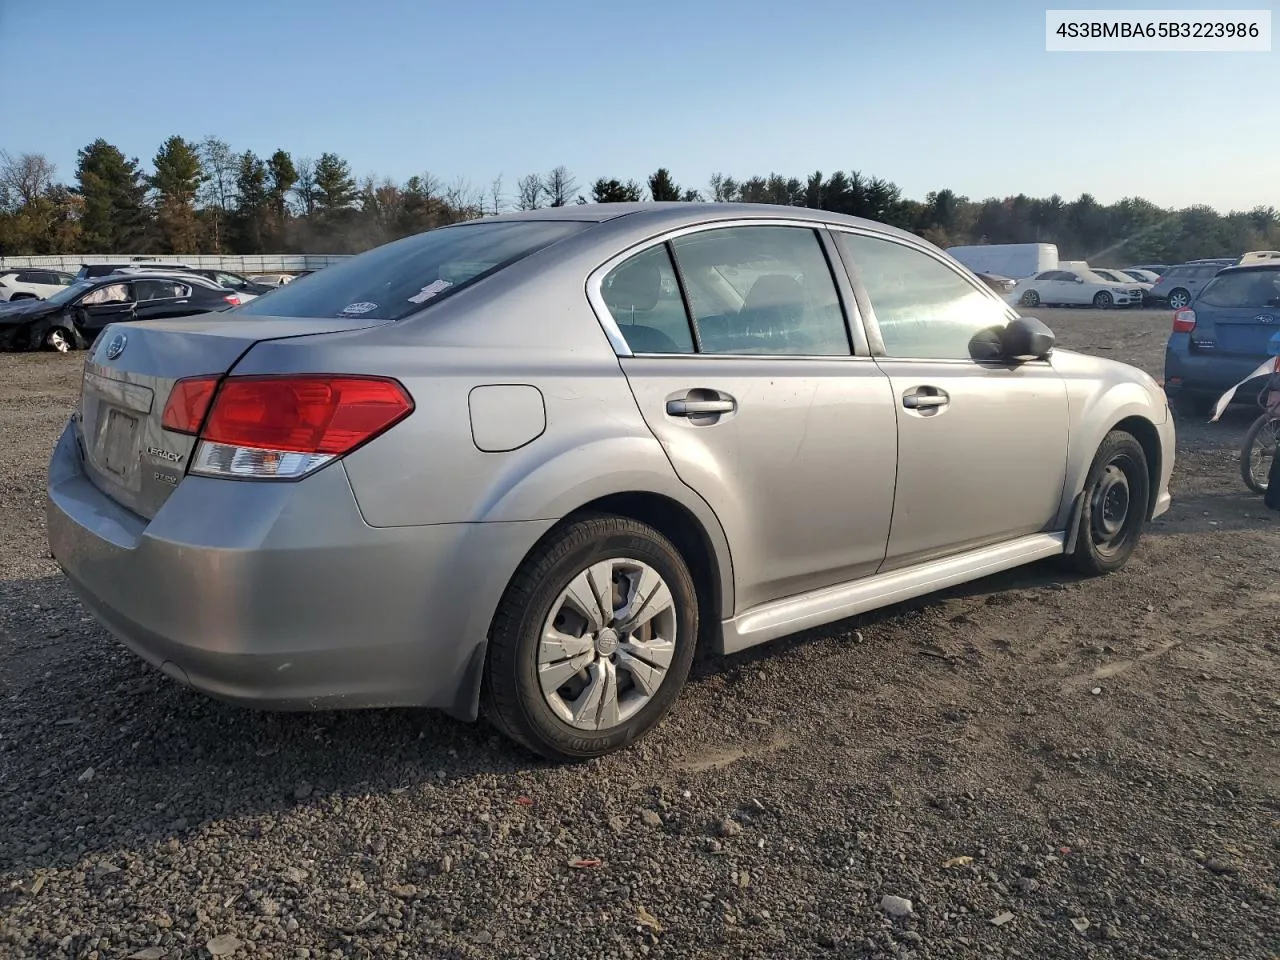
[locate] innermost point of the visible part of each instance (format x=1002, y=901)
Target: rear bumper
x=1206, y=373
x=280, y=596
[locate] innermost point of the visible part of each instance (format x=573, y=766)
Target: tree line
x=205, y=197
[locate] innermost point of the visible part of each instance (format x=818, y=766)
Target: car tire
x=545, y=599
x=1103, y=300
x=59, y=340
x=1179, y=298
x=1114, y=508
x=1030, y=299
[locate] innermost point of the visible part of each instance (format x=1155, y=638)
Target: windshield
x=67, y=294
x=397, y=279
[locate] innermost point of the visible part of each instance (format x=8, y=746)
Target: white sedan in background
x=1125, y=278
x=32, y=283
x=1076, y=288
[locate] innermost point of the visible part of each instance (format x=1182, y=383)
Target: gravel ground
x=1043, y=767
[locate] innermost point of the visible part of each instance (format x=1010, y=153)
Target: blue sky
x=927, y=93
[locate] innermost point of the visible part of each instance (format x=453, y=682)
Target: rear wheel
x=1258, y=450
x=1116, y=494
x=1103, y=300
x=1179, y=298
x=592, y=642
x=1030, y=299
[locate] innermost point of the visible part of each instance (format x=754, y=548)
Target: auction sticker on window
x=430, y=290
x=1158, y=31
x=355, y=309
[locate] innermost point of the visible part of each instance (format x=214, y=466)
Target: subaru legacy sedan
x=524, y=466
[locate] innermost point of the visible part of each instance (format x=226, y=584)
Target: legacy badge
x=168, y=455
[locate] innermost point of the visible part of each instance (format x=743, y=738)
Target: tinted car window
x=765, y=291
x=644, y=300
x=230, y=281
x=397, y=279
x=925, y=309
x=158, y=290
x=1250, y=288
x=1206, y=273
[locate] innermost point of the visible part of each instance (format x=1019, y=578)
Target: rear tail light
x=1184, y=320
x=188, y=403
x=285, y=427
x=232, y=299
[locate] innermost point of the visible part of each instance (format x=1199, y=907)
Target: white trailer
x=1013, y=260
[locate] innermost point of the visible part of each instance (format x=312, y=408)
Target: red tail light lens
x=232, y=299
x=285, y=427
x=1184, y=320
x=188, y=403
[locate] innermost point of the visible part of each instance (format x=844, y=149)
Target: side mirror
x=1026, y=338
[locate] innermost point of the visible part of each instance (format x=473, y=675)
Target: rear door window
x=158, y=290
x=400, y=278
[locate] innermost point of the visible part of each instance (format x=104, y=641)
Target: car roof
x=1252, y=267
x=676, y=213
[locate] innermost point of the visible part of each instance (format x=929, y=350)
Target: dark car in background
x=91, y=271
x=1221, y=337
x=1001, y=285
x=1179, y=285
x=223, y=278
x=72, y=318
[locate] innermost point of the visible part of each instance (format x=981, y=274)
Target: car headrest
x=773, y=290
x=635, y=286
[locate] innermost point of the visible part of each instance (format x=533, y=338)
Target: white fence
x=236, y=263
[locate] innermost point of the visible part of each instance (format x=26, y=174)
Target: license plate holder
x=118, y=446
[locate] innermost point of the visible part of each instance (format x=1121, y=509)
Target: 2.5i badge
x=168, y=455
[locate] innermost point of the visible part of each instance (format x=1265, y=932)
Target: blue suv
x=1221, y=337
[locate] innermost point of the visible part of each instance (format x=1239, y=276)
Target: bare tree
x=560, y=186
x=495, y=195
x=217, y=193
x=24, y=178
x=305, y=187
x=529, y=191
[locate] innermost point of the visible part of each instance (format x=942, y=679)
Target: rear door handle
x=925, y=398
x=698, y=408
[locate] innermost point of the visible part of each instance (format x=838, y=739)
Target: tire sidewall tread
x=1085, y=558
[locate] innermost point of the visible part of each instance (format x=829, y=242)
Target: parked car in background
x=1179, y=285
x=1001, y=285
x=1221, y=337
x=1124, y=279
x=437, y=518
x=1259, y=256
x=1016, y=260
x=72, y=318
x=31, y=283
x=246, y=288
x=1142, y=276
x=1076, y=288
x=90, y=271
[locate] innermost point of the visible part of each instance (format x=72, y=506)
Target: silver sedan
x=528, y=463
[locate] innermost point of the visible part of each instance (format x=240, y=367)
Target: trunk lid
x=1244, y=331
x=128, y=455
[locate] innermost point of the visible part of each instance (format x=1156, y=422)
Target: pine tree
x=115, y=218
x=176, y=181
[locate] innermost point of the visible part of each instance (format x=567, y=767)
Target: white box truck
x=1013, y=260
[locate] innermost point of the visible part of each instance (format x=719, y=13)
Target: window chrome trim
x=613, y=331
x=870, y=320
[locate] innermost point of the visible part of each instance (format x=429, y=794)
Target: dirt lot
x=1045, y=767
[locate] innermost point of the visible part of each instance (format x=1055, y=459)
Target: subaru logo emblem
x=116, y=346
x=1264, y=318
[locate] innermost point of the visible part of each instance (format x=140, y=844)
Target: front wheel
x=592, y=641
x=1102, y=300
x=59, y=340
x=1116, y=494
x=1258, y=450
x=1030, y=299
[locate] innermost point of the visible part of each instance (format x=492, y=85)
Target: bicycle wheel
x=1257, y=450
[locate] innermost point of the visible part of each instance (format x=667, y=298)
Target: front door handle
x=925, y=398
x=698, y=408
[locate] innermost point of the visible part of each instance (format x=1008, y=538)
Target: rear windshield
x=399, y=278
x=1251, y=289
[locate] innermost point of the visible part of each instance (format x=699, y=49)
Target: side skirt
x=778, y=618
